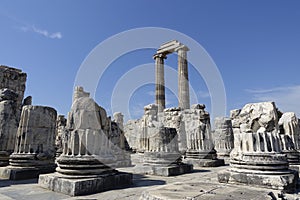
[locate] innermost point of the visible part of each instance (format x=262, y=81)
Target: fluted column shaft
x=183, y=79
x=160, y=81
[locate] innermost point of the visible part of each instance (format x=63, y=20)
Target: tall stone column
x=160, y=81
x=183, y=78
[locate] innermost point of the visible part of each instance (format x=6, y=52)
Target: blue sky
x=255, y=45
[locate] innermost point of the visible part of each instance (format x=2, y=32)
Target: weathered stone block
x=171, y=170
x=75, y=186
x=285, y=181
x=205, y=162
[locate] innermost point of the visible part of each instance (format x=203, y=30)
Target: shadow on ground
x=140, y=180
x=6, y=183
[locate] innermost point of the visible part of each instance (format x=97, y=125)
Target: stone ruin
x=261, y=143
x=160, y=146
x=117, y=138
x=200, y=148
x=12, y=88
x=34, y=151
x=61, y=133
x=87, y=162
x=223, y=137
x=257, y=158
x=289, y=131
x=192, y=124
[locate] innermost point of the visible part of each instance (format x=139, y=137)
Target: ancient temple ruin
x=200, y=147
x=183, y=80
x=160, y=145
x=289, y=130
x=12, y=88
x=223, y=137
x=192, y=124
x=257, y=158
x=61, y=133
x=34, y=151
x=86, y=163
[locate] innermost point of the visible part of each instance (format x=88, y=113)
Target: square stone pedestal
x=171, y=170
x=21, y=173
x=76, y=186
x=285, y=181
x=205, y=162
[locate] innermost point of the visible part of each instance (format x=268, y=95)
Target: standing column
x=159, y=81
x=183, y=79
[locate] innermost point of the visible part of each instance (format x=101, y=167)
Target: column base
x=4, y=158
x=75, y=186
x=284, y=180
x=171, y=170
x=22, y=173
x=205, y=162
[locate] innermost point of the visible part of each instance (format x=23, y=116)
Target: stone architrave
x=257, y=157
x=183, y=80
x=12, y=88
x=85, y=165
x=200, y=147
x=34, y=151
x=160, y=144
x=223, y=137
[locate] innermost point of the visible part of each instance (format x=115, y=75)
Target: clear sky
x=255, y=45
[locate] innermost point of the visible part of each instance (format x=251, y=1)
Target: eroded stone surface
x=87, y=160
x=61, y=134
x=12, y=88
x=257, y=157
x=223, y=136
x=160, y=146
x=34, y=151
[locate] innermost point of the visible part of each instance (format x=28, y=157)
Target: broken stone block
x=86, y=163
x=257, y=158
